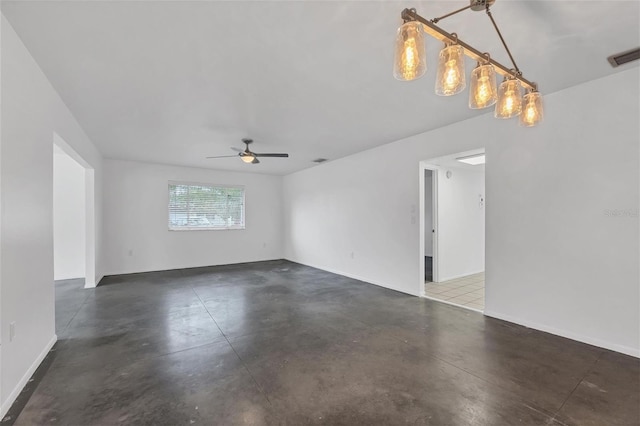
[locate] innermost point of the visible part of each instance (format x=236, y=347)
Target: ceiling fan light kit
x=249, y=157
x=410, y=64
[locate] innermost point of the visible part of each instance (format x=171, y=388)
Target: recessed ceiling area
x=452, y=161
x=175, y=82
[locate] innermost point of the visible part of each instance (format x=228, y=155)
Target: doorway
x=73, y=216
x=429, y=226
x=452, y=253
x=69, y=221
x=74, y=233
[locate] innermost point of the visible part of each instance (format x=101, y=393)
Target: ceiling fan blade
x=255, y=161
x=237, y=149
x=271, y=155
x=223, y=156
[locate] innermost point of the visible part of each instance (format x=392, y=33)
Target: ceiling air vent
x=624, y=57
x=320, y=160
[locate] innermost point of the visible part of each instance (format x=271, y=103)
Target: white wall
x=428, y=213
x=69, y=222
x=460, y=223
x=31, y=113
x=136, y=215
x=554, y=259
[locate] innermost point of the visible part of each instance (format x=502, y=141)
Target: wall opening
x=73, y=215
x=452, y=253
x=69, y=217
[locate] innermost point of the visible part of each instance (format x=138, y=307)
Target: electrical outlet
x=12, y=331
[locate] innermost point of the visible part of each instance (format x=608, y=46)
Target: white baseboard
x=562, y=333
x=6, y=404
x=353, y=276
x=455, y=277
x=634, y=352
x=147, y=270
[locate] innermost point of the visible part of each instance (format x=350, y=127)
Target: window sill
x=237, y=228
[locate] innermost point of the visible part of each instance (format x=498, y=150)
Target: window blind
x=196, y=206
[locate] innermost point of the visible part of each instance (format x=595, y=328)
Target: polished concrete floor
x=280, y=343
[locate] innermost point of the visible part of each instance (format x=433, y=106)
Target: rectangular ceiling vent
x=624, y=57
x=320, y=160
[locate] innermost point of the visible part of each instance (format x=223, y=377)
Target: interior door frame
x=424, y=166
x=90, y=213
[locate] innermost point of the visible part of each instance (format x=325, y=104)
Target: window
x=201, y=206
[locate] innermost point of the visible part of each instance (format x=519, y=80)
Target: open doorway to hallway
x=453, y=229
x=73, y=230
x=69, y=217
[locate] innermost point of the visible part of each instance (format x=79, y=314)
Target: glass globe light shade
x=509, y=102
x=410, y=58
x=482, y=91
x=532, y=110
x=450, y=78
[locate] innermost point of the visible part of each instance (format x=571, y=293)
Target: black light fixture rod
x=438, y=33
x=504, y=43
x=435, y=20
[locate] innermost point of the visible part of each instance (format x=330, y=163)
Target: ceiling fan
x=250, y=157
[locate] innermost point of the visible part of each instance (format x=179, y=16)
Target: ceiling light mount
x=410, y=61
x=480, y=5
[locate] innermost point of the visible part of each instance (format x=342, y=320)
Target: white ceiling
x=175, y=81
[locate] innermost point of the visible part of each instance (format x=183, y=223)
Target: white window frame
x=206, y=228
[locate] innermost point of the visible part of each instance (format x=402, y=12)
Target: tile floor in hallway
x=465, y=291
x=278, y=343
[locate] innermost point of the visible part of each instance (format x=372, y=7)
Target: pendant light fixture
x=509, y=99
x=410, y=64
x=531, y=109
x=450, y=78
x=483, y=92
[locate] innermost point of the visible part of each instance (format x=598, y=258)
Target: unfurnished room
x=320, y=212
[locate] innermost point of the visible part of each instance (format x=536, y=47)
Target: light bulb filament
x=452, y=77
x=409, y=62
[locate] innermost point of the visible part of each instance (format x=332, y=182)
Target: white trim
x=145, y=271
x=203, y=228
x=435, y=219
x=90, y=227
x=353, y=276
x=216, y=185
x=634, y=352
x=424, y=166
x=455, y=277
x=6, y=405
